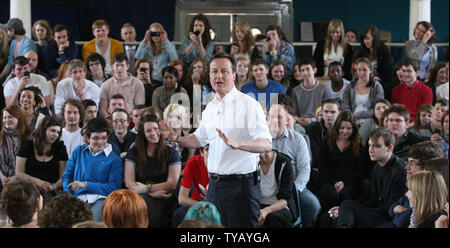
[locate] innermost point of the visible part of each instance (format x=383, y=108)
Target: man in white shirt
x=234, y=126
x=76, y=86
x=71, y=132
x=20, y=67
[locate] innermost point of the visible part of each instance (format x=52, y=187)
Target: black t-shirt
x=46, y=171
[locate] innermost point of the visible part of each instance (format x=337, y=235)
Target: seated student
x=442, y=91
x=276, y=190
x=278, y=73
x=243, y=41
x=340, y=172
x=76, y=86
x=21, y=202
x=351, y=36
x=30, y=101
x=167, y=93
x=124, y=208
x=117, y=101
x=422, y=124
x=438, y=112
x=197, y=83
x=42, y=159
x=243, y=72
x=54, y=213
x=36, y=62
x=337, y=83
x=90, y=110
x=102, y=44
x=177, y=117
x=296, y=147
x=95, y=65
x=427, y=195
x=136, y=116
x=61, y=49
x=277, y=47
x=440, y=165
x=442, y=138
x=13, y=87
x=398, y=119
x=121, y=136
x=412, y=93
x=195, y=178
x=143, y=71
x=309, y=94
x=360, y=96
x=262, y=88
x=400, y=211
x=93, y=171
x=204, y=211
x=296, y=78
x=157, y=48
x=123, y=83
x=152, y=169
x=388, y=184
x=374, y=122
x=72, y=110
x=438, y=76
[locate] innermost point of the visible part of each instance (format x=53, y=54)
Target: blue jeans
x=96, y=208
x=310, y=207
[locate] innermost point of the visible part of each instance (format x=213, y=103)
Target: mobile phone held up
x=153, y=34
x=197, y=32
x=26, y=74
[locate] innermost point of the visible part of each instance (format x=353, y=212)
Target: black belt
x=233, y=176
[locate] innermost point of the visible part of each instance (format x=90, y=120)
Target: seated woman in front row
x=152, y=169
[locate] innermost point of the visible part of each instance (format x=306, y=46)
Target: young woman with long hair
x=243, y=41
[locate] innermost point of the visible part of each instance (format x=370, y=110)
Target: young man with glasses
x=398, y=119
x=94, y=170
x=120, y=136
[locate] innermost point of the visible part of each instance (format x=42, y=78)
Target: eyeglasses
x=395, y=120
x=94, y=63
x=120, y=121
x=413, y=163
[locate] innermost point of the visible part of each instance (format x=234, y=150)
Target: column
x=22, y=9
x=419, y=10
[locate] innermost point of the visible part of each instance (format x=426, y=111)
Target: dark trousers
x=160, y=211
x=278, y=219
x=237, y=200
x=330, y=198
x=179, y=215
x=353, y=214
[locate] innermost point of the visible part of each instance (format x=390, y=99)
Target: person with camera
x=143, y=71
x=422, y=50
x=157, y=48
x=198, y=43
x=277, y=47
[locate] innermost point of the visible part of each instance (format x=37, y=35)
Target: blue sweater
x=402, y=219
x=102, y=174
x=272, y=88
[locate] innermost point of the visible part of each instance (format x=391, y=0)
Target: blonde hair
x=246, y=61
x=76, y=63
x=249, y=40
x=156, y=48
x=429, y=192
x=335, y=25
x=179, y=110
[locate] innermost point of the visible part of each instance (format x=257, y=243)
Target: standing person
x=241, y=132
x=427, y=195
x=413, y=93
x=128, y=34
x=14, y=131
x=94, y=170
x=359, y=97
x=243, y=41
x=334, y=48
x=43, y=158
x=198, y=43
x=277, y=47
x=152, y=169
x=73, y=111
x=422, y=50
x=131, y=88
x=59, y=50
x=157, y=48
x=379, y=55
x=102, y=44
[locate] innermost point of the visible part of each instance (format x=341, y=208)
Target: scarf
x=8, y=154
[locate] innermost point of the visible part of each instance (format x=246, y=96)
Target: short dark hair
x=59, y=28
x=88, y=103
x=410, y=62
x=336, y=63
x=443, y=102
x=259, y=61
x=74, y=102
x=333, y=101
x=424, y=151
x=20, y=60
x=384, y=133
x=171, y=70
x=122, y=111
x=306, y=61
x=399, y=109
x=353, y=31
x=120, y=57
x=225, y=56
x=95, y=57
x=96, y=125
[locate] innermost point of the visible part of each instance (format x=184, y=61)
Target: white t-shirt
x=106, y=56
x=64, y=91
x=269, y=186
x=338, y=94
x=442, y=91
x=71, y=140
x=36, y=80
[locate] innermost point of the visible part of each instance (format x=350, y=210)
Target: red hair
x=124, y=208
x=22, y=125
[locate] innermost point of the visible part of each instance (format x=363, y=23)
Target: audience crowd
x=94, y=136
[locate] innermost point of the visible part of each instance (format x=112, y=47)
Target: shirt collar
x=228, y=97
x=124, y=83
x=107, y=150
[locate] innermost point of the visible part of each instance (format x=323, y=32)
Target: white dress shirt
x=239, y=117
x=35, y=80
x=64, y=91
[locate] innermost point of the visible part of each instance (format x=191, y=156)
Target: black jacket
x=318, y=58
x=401, y=150
x=388, y=185
x=123, y=147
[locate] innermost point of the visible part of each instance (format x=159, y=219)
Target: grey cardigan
x=415, y=50
x=349, y=99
